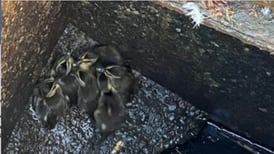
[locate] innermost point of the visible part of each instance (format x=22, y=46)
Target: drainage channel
x=215, y=139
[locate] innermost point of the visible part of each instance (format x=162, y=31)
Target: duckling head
x=43, y=86
x=121, y=80
x=108, y=56
x=63, y=66
x=87, y=60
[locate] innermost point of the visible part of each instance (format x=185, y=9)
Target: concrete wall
x=30, y=31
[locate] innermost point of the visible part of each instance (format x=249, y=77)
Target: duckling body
x=103, y=82
x=88, y=92
x=110, y=113
x=70, y=86
x=51, y=107
x=121, y=80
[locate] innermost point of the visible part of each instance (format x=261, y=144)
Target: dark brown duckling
x=70, y=86
x=88, y=92
x=51, y=107
x=110, y=113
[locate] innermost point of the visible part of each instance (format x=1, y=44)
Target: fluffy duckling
x=88, y=92
x=63, y=71
x=110, y=113
x=52, y=106
x=121, y=80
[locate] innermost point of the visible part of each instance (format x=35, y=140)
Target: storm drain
x=157, y=119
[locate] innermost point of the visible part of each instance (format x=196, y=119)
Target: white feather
x=265, y=11
x=195, y=13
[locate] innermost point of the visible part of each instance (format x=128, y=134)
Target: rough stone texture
x=30, y=31
x=232, y=81
x=157, y=119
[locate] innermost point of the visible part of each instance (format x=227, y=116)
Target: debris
x=119, y=145
x=195, y=13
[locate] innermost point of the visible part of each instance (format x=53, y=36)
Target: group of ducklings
x=96, y=81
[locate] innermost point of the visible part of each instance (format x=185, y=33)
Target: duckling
x=110, y=113
x=52, y=106
x=107, y=56
x=88, y=92
x=63, y=66
x=121, y=80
